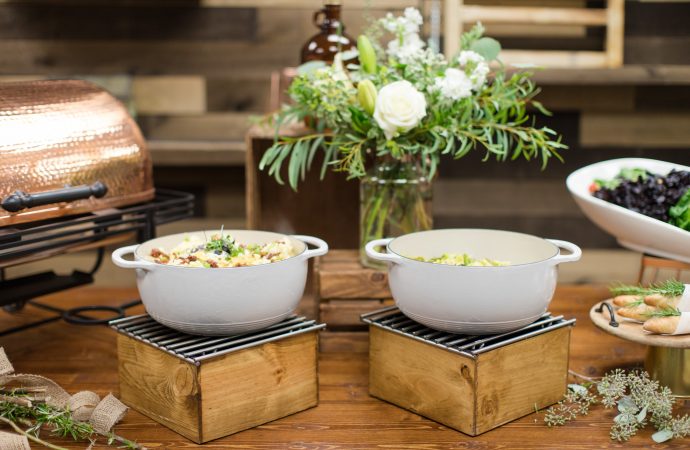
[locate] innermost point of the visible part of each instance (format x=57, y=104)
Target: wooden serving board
x=632, y=331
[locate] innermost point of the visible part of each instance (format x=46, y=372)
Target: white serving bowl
x=632, y=230
x=473, y=300
x=224, y=300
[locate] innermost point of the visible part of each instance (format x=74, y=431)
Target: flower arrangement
x=408, y=105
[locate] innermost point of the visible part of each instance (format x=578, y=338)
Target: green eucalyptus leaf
x=627, y=405
x=662, y=436
x=488, y=47
x=642, y=414
x=309, y=67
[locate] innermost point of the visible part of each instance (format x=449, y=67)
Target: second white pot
x=473, y=300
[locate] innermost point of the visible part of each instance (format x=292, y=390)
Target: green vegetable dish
x=464, y=259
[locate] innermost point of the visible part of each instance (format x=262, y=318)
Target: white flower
x=408, y=23
x=454, y=85
x=410, y=50
x=399, y=108
x=412, y=20
x=475, y=67
x=407, y=45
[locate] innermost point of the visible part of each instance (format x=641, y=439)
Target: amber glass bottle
x=331, y=39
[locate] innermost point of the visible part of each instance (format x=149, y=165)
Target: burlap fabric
x=10, y=441
x=82, y=405
x=85, y=406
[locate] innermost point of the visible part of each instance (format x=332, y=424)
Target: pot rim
x=531, y=236
x=140, y=258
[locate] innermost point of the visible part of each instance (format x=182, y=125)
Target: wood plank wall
x=194, y=75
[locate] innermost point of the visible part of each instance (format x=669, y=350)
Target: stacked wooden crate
x=345, y=290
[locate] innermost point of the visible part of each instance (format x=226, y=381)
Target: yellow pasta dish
x=222, y=251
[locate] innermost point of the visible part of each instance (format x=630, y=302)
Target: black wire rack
x=59, y=235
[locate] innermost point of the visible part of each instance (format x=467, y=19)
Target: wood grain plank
x=86, y=358
x=503, y=393
x=346, y=313
x=160, y=386
x=342, y=276
x=217, y=126
x=533, y=15
x=257, y=385
x=399, y=373
x=169, y=95
x=111, y=21
x=660, y=130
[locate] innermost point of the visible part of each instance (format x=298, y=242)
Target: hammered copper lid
x=67, y=133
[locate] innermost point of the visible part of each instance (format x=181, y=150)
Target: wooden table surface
x=81, y=358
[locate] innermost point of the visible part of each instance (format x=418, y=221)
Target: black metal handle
x=21, y=200
x=612, y=314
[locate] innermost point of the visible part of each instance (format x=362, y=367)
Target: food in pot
x=662, y=197
x=462, y=260
x=222, y=251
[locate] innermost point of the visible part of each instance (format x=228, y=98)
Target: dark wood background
x=194, y=74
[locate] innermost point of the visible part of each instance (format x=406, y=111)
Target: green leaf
x=662, y=436
x=578, y=389
x=309, y=67
x=627, y=405
x=488, y=47
x=642, y=414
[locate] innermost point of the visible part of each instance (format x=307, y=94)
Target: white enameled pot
x=225, y=300
x=473, y=300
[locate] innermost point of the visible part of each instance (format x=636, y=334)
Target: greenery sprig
x=37, y=416
x=669, y=288
x=640, y=401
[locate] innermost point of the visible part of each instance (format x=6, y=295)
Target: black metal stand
x=51, y=236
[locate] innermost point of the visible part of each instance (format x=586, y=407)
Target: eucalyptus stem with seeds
x=640, y=402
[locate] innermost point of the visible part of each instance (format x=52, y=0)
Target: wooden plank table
x=81, y=358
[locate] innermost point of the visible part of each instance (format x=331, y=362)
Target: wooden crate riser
x=222, y=395
x=470, y=395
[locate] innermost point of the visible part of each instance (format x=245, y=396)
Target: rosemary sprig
x=669, y=288
x=665, y=312
x=58, y=420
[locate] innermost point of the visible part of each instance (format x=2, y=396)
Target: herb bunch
x=460, y=104
x=669, y=288
x=16, y=410
x=640, y=402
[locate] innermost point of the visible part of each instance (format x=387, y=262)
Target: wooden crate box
x=471, y=395
x=221, y=395
x=347, y=290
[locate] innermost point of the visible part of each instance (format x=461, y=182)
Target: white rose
x=399, y=108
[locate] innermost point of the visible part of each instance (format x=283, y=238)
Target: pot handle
x=575, y=251
x=373, y=254
x=119, y=261
x=320, y=244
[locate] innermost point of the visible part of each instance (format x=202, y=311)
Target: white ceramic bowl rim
x=639, y=162
x=556, y=249
x=182, y=235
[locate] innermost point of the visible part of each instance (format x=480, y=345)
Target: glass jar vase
x=395, y=199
